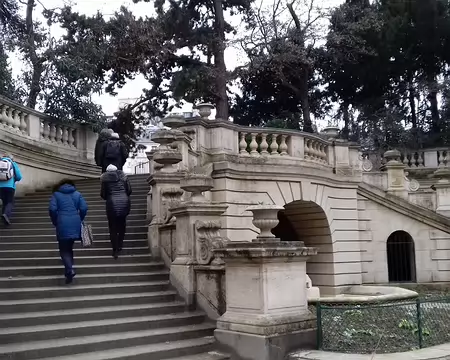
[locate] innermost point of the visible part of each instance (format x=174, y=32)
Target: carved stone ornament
x=411, y=184
x=367, y=165
x=170, y=197
x=207, y=239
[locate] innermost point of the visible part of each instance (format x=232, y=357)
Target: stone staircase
x=124, y=309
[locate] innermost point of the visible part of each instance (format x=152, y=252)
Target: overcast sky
x=133, y=89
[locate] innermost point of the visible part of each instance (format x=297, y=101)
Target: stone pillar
x=267, y=312
x=442, y=188
x=396, y=174
x=191, y=216
x=165, y=189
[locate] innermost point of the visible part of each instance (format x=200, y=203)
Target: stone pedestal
x=267, y=309
x=165, y=192
x=192, y=217
x=442, y=188
x=396, y=174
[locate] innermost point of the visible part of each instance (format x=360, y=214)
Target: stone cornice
x=404, y=207
x=282, y=173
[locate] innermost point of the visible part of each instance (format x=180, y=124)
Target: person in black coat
x=103, y=137
x=115, y=152
x=116, y=190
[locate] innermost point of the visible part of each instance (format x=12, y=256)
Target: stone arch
x=307, y=221
x=401, y=257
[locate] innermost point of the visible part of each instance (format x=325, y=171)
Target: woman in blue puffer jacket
x=67, y=210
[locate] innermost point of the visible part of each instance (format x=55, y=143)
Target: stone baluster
x=307, y=149
x=274, y=146
x=23, y=122
x=264, y=145
x=253, y=146
x=71, y=138
x=52, y=134
x=9, y=117
x=323, y=153
x=65, y=136
x=3, y=115
x=45, y=130
x=283, y=146
x=243, y=144
x=440, y=158
x=315, y=151
x=420, y=160
x=16, y=120
x=405, y=159
x=58, y=135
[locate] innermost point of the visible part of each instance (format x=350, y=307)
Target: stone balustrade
x=271, y=142
x=217, y=138
x=46, y=149
x=428, y=158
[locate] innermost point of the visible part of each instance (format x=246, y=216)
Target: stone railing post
x=396, y=174
x=192, y=215
x=267, y=309
x=164, y=181
x=442, y=188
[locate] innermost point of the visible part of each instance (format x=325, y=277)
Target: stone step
x=98, y=236
x=99, y=245
x=61, y=331
x=83, y=279
x=89, y=314
x=42, y=211
x=81, y=260
x=21, y=218
x=174, y=349
x=46, y=224
x=82, y=302
x=83, y=290
x=211, y=355
x=30, y=231
x=78, y=252
x=78, y=345
x=85, y=190
x=98, y=202
x=112, y=267
x=89, y=197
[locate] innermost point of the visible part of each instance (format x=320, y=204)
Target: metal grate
x=401, y=257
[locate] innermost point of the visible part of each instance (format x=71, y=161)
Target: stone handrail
x=46, y=149
x=261, y=142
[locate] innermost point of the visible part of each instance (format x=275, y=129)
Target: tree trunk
x=36, y=62
x=412, y=104
x=346, y=118
x=219, y=62
x=304, y=102
x=434, y=107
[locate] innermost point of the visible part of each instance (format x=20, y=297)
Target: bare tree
x=282, y=37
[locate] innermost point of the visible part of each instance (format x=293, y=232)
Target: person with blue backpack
x=9, y=175
x=67, y=211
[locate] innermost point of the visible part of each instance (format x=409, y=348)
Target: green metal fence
x=383, y=327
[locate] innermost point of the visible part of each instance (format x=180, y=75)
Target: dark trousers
x=7, y=197
x=117, y=229
x=66, y=253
